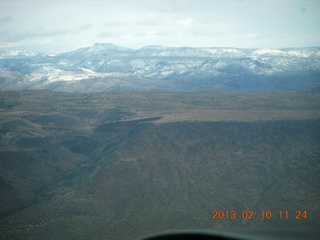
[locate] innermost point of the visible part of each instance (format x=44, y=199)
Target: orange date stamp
x=262, y=214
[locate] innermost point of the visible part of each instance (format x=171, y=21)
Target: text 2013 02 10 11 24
x=262, y=214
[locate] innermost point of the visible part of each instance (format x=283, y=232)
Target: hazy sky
x=54, y=26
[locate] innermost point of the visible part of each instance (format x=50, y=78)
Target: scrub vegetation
x=125, y=165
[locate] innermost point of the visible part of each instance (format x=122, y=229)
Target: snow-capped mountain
x=107, y=67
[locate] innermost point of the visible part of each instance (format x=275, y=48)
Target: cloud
x=303, y=9
x=138, y=23
x=205, y=30
x=152, y=34
x=178, y=6
x=108, y=34
x=86, y=26
x=113, y=24
x=252, y=35
x=17, y=36
x=5, y=19
x=150, y=20
x=185, y=22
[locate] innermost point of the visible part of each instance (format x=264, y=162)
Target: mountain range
x=107, y=67
x=107, y=142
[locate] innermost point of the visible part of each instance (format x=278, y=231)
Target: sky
x=56, y=26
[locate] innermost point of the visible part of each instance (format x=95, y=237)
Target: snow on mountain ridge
x=52, y=74
x=264, y=51
x=169, y=65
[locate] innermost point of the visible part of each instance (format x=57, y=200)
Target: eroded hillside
x=124, y=165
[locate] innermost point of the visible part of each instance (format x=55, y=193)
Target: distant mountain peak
x=109, y=46
x=154, y=47
x=101, y=48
